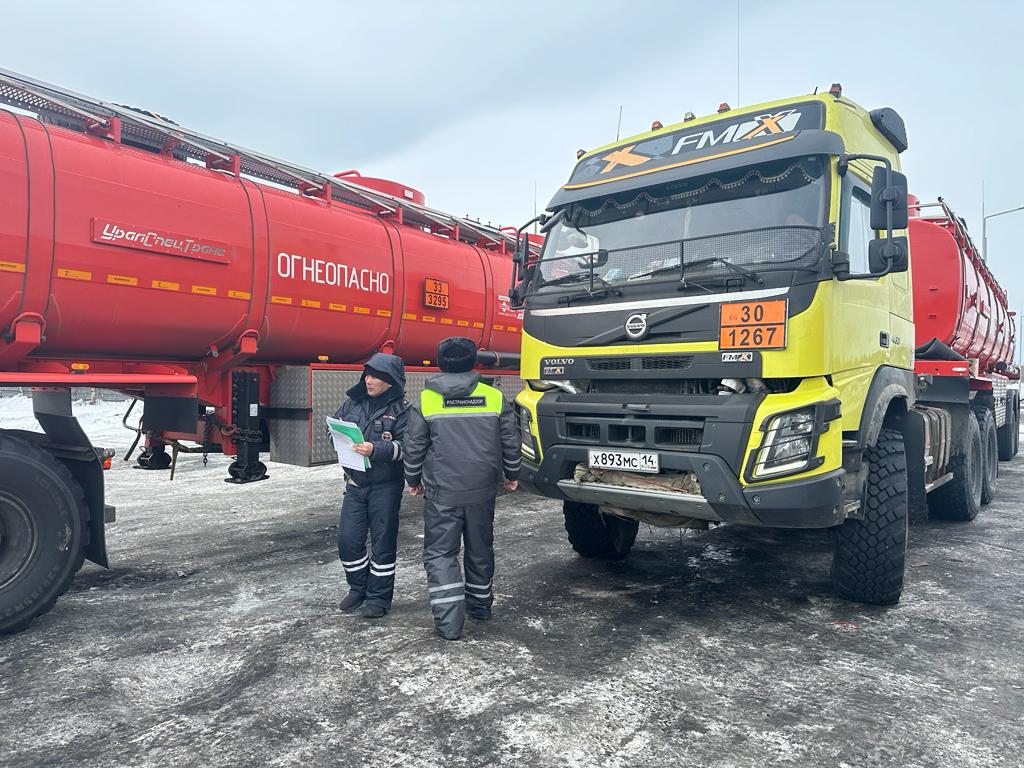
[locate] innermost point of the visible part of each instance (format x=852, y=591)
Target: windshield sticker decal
x=666, y=151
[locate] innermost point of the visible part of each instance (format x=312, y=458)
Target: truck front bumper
x=814, y=502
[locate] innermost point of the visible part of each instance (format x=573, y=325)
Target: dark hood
x=385, y=363
x=454, y=384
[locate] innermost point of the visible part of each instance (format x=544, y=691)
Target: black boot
x=352, y=601
x=373, y=611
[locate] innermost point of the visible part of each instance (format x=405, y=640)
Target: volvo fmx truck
x=720, y=328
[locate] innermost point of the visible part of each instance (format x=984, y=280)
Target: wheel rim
x=18, y=539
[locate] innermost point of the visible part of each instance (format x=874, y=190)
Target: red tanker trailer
x=957, y=300
x=234, y=294
x=964, y=334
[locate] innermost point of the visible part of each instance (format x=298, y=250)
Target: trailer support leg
x=154, y=456
x=245, y=404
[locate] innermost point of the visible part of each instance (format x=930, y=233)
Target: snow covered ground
x=215, y=640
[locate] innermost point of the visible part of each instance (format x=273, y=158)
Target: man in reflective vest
x=460, y=442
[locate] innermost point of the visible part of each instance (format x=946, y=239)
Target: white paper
x=345, y=434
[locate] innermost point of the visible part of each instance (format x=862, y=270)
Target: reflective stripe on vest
x=482, y=401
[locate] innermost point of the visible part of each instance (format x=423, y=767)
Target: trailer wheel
x=989, y=453
x=44, y=530
x=960, y=498
x=1009, y=433
x=593, y=534
x=870, y=553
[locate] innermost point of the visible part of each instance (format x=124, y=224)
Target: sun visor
x=626, y=168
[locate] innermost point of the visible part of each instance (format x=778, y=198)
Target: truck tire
x=593, y=534
x=960, y=498
x=44, y=530
x=870, y=553
x=1008, y=434
x=989, y=453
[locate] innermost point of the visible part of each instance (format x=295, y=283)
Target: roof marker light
x=688, y=117
x=836, y=90
x=656, y=125
x=580, y=153
x=724, y=107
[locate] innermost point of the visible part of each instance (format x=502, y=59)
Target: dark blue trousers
x=373, y=510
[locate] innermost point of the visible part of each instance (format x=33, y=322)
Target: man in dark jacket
x=461, y=439
x=377, y=404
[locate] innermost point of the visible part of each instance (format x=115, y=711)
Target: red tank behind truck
x=235, y=295
x=957, y=299
x=965, y=341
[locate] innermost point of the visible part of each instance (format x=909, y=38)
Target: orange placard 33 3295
x=753, y=325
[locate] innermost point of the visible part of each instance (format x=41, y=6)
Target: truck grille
x=667, y=363
x=675, y=436
x=584, y=433
x=636, y=432
x=669, y=385
x=620, y=363
x=609, y=363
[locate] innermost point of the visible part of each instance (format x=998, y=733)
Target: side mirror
x=888, y=255
x=522, y=250
x=884, y=194
x=515, y=299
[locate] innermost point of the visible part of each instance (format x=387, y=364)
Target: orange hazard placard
x=435, y=293
x=753, y=325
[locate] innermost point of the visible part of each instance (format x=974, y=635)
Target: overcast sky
x=476, y=104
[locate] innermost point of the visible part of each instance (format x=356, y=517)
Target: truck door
x=862, y=307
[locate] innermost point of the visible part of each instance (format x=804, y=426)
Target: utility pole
x=535, y=205
x=984, y=228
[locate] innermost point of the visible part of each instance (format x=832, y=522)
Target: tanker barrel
x=487, y=358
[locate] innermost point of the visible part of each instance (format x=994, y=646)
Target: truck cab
x=719, y=329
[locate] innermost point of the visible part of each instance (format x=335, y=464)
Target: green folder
x=349, y=433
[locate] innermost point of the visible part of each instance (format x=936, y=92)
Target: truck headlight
x=523, y=419
x=789, y=443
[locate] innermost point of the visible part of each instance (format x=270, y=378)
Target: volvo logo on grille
x=636, y=326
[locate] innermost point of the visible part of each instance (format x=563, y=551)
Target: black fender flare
x=890, y=387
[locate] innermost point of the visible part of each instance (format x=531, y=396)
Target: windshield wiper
x=572, y=277
x=604, y=288
x=746, y=273
x=655, y=271
x=683, y=281
x=600, y=293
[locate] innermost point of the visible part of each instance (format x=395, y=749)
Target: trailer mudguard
x=67, y=441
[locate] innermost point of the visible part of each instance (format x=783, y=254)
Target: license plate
x=627, y=461
x=753, y=325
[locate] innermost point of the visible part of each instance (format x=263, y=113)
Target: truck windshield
x=765, y=218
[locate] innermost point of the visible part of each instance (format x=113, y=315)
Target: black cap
x=456, y=355
x=378, y=374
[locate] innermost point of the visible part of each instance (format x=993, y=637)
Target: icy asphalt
x=215, y=640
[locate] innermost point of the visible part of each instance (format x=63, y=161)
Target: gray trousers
x=444, y=529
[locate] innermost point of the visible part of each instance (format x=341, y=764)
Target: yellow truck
x=719, y=328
